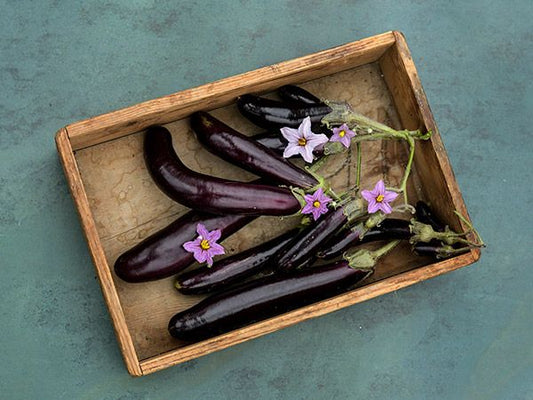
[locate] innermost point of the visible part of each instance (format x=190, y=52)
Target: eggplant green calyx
x=425, y=233
x=367, y=259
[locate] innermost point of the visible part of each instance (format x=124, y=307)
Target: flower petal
x=389, y=196
x=368, y=195
x=192, y=246
x=292, y=135
x=316, y=140
x=216, y=249
x=307, y=209
x=209, y=259
x=200, y=255
x=373, y=206
x=345, y=140
x=380, y=187
x=304, y=129
x=307, y=153
x=202, y=231
x=291, y=150
x=213, y=236
x=385, y=207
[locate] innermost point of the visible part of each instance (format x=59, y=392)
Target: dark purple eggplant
x=390, y=228
x=231, y=269
x=269, y=113
x=207, y=193
x=247, y=153
x=438, y=250
x=295, y=94
x=162, y=254
x=261, y=299
x=426, y=216
x=273, y=140
x=302, y=249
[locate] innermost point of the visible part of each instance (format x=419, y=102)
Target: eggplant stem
x=471, y=228
x=359, y=159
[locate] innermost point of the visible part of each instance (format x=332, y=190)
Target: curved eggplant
x=247, y=153
x=269, y=113
x=162, y=254
x=231, y=269
x=261, y=299
x=207, y=193
x=426, y=216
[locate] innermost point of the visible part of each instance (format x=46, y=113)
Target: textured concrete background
x=465, y=335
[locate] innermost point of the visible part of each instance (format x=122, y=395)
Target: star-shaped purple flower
x=316, y=204
x=302, y=140
x=342, y=134
x=204, y=247
x=379, y=198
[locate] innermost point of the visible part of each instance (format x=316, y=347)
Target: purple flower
x=316, y=204
x=342, y=134
x=302, y=141
x=204, y=247
x=379, y=198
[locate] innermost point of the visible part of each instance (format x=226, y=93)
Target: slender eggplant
x=162, y=254
x=273, y=140
x=231, y=269
x=247, y=153
x=390, y=228
x=207, y=193
x=302, y=249
x=295, y=94
x=263, y=298
x=425, y=215
x=438, y=250
x=269, y=113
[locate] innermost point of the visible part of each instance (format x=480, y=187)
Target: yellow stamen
x=204, y=244
x=316, y=204
x=302, y=141
x=342, y=133
x=380, y=198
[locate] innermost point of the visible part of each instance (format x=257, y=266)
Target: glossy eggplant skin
x=273, y=140
x=426, y=216
x=261, y=299
x=162, y=254
x=301, y=250
x=269, y=113
x=295, y=94
x=390, y=228
x=247, y=153
x=206, y=193
x=231, y=269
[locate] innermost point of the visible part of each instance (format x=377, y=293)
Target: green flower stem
x=359, y=159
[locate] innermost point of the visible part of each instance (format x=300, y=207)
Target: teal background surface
x=465, y=335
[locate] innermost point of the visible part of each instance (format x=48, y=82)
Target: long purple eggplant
x=263, y=298
x=389, y=228
x=425, y=215
x=231, y=269
x=295, y=94
x=207, y=193
x=247, y=153
x=269, y=113
x=302, y=249
x=162, y=254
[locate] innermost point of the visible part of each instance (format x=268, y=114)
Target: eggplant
x=295, y=94
x=247, y=153
x=231, y=269
x=302, y=249
x=436, y=249
x=162, y=254
x=273, y=140
x=261, y=299
x=269, y=113
x=390, y=228
x=426, y=216
x=207, y=193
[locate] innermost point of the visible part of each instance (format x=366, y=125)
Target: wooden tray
x=119, y=205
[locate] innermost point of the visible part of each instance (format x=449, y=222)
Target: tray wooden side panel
x=77, y=190
x=431, y=160
x=359, y=295
x=220, y=93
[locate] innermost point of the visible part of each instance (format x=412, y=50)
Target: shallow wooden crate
x=119, y=205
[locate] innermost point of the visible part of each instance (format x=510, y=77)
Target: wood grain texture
x=119, y=205
x=77, y=190
x=223, y=92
